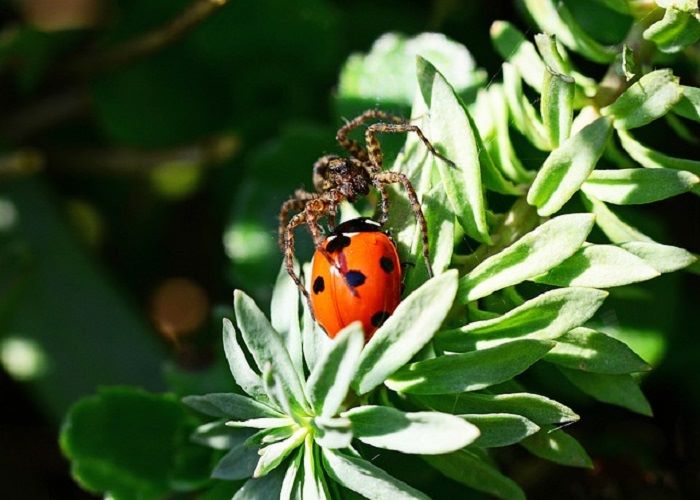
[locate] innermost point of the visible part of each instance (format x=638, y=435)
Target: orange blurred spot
x=179, y=306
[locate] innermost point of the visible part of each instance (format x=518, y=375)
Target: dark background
x=112, y=249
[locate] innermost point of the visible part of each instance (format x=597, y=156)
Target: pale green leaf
x=243, y=374
x=539, y=409
x=689, y=104
x=524, y=115
x=469, y=371
x=554, y=18
x=366, y=479
x=467, y=468
x=632, y=186
x=599, y=266
x=557, y=107
x=613, y=227
x=272, y=455
x=547, y=316
x=266, y=346
x=591, y=351
x=263, y=488
x=538, y=251
x=513, y=47
x=649, y=98
x=332, y=433
x=621, y=390
x=291, y=486
x=219, y=436
x=651, y=158
x=663, y=258
x=559, y=447
x=500, y=429
x=676, y=31
x=230, y=405
x=406, y=331
x=314, y=483
x=238, y=463
x=568, y=167
x=451, y=133
x=284, y=315
x=424, y=433
x=329, y=381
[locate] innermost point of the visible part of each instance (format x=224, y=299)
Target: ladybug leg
x=297, y=220
x=399, y=178
x=375, y=151
x=294, y=204
x=353, y=147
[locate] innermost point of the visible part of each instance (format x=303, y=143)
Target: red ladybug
x=362, y=280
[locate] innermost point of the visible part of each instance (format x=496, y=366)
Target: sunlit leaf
x=632, y=186
x=558, y=447
x=500, y=429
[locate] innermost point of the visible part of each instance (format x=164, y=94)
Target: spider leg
x=353, y=147
x=296, y=221
x=384, y=203
x=294, y=204
x=374, y=148
x=399, y=178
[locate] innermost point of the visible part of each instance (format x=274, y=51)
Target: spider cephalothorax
x=338, y=178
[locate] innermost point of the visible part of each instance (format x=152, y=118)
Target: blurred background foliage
x=145, y=147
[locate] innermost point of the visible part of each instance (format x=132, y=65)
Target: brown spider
x=347, y=178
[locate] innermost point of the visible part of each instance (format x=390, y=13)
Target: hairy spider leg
x=295, y=204
x=353, y=147
x=374, y=148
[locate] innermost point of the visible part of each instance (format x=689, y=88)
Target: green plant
x=524, y=253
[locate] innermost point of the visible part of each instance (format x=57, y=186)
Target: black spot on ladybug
x=355, y=278
x=379, y=318
x=338, y=243
x=319, y=285
x=386, y=264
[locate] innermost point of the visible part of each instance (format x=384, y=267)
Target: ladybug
x=357, y=276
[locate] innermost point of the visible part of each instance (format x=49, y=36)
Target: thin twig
x=147, y=43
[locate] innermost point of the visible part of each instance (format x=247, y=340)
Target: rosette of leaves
x=307, y=398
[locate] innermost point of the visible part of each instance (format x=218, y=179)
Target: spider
x=338, y=178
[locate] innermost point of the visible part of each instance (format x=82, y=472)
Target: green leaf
x=591, y=351
x=230, y=405
x=547, y=316
x=524, y=115
x=559, y=447
x=676, y=31
x=292, y=478
x=689, y=104
x=599, y=266
x=266, y=346
x=467, y=468
x=238, y=463
x=330, y=379
x=314, y=484
x=272, y=455
x=332, y=433
x=469, y=371
x=557, y=103
x=620, y=390
x=219, y=436
x=366, y=479
x=613, y=227
x=387, y=73
x=126, y=443
x=539, y=409
x=538, y=251
x=568, y=166
x=633, y=186
x=284, y=315
x=500, y=429
x=555, y=19
x=649, y=98
x=629, y=64
x=424, y=433
x=263, y=488
x=406, y=331
x=451, y=133
x=513, y=47
x=663, y=258
x=650, y=158
x=245, y=377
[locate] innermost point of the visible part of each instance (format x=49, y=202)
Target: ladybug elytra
x=357, y=277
